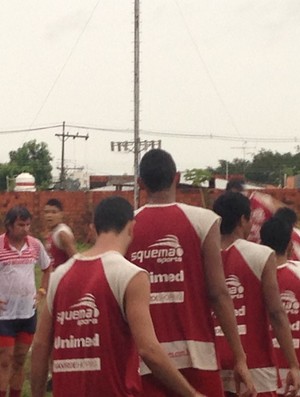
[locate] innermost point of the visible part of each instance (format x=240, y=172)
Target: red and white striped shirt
x=17, y=278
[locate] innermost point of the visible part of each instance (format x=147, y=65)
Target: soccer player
x=98, y=320
x=179, y=245
x=60, y=242
x=250, y=271
x=289, y=215
x=19, y=253
x=277, y=234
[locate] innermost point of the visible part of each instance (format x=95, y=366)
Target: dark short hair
x=157, y=170
x=55, y=203
x=112, y=214
x=235, y=184
x=287, y=215
x=231, y=206
x=17, y=212
x=276, y=234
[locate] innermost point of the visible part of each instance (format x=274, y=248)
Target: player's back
x=93, y=348
x=168, y=244
x=244, y=263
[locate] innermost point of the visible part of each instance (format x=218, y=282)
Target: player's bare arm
x=41, y=349
x=67, y=243
x=280, y=323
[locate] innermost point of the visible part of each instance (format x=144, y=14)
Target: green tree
x=270, y=167
x=6, y=176
x=35, y=158
x=236, y=166
x=197, y=176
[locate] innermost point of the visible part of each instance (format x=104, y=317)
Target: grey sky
x=228, y=68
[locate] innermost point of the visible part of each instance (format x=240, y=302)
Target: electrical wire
x=217, y=91
x=65, y=63
x=166, y=134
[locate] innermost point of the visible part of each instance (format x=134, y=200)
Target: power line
x=29, y=129
x=208, y=71
x=127, y=130
x=65, y=63
x=166, y=134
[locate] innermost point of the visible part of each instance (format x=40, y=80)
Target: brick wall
x=78, y=206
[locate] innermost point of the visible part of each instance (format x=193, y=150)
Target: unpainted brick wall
x=79, y=206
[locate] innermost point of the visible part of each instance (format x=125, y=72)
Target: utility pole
x=64, y=136
x=244, y=149
x=136, y=98
x=137, y=145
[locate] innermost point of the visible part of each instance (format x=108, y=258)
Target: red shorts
x=17, y=331
x=206, y=382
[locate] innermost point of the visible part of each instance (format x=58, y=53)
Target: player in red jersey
x=97, y=320
x=277, y=234
x=19, y=253
x=289, y=215
x=179, y=245
x=250, y=271
x=60, y=242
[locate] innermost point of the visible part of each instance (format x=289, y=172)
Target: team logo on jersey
x=290, y=302
x=84, y=312
x=235, y=287
x=164, y=250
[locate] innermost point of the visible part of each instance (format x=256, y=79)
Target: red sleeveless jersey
x=94, y=353
x=167, y=243
x=244, y=263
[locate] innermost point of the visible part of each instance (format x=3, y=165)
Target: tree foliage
x=197, y=176
x=265, y=167
x=236, y=166
x=32, y=157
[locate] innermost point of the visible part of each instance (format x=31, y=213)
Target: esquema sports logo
x=84, y=312
x=235, y=287
x=164, y=250
x=290, y=302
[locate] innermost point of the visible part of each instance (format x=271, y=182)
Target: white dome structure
x=25, y=182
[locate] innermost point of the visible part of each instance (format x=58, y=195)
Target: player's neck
x=281, y=259
x=229, y=239
x=51, y=228
x=162, y=197
x=107, y=242
x=18, y=243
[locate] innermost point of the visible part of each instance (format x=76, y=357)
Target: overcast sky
x=226, y=68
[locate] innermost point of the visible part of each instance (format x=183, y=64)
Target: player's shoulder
x=114, y=259
x=62, y=227
x=33, y=241
x=197, y=211
x=250, y=245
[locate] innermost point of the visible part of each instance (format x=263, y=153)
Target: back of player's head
x=287, y=215
x=231, y=206
x=112, y=214
x=55, y=203
x=17, y=212
x=276, y=234
x=235, y=185
x=157, y=170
